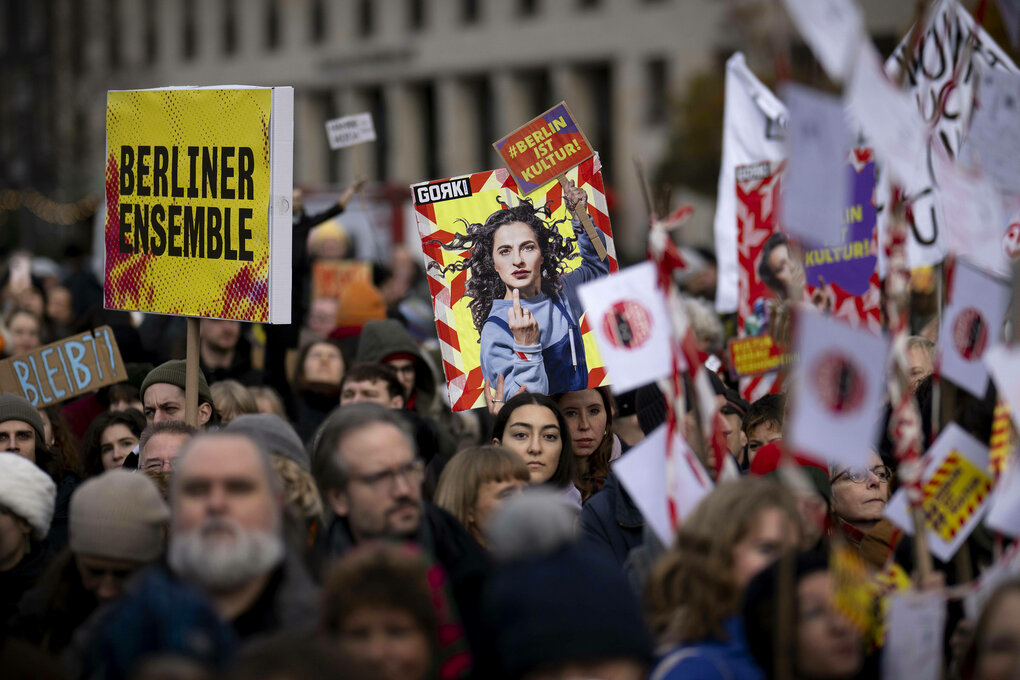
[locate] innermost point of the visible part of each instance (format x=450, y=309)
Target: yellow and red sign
x=544, y=148
x=755, y=355
x=953, y=494
x=189, y=181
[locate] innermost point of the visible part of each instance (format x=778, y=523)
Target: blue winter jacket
x=558, y=363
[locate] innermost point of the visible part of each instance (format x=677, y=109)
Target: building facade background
x=442, y=78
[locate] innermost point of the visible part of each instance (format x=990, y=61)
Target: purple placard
x=850, y=263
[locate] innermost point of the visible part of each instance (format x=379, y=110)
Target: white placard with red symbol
x=838, y=389
x=1004, y=513
x=643, y=474
x=955, y=486
x=971, y=325
x=627, y=314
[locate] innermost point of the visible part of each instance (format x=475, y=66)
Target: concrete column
x=568, y=84
x=512, y=104
x=310, y=146
x=357, y=161
x=406, y=133
x=628, y=96
x=458, y=128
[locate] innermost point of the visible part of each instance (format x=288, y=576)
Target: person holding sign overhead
x=524, y=308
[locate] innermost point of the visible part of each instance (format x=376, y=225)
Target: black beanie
x=570, y=605
x=13, y=407
x=174, y=373
x=650, y=406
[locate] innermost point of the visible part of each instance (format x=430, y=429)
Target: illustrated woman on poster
x=524, y=305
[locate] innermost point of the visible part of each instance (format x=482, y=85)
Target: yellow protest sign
x=198, y=185
x=953, y=494
x=856, y=592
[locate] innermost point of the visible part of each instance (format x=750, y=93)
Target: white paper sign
x=350, y=130
x=971, y=325
x=1004, y=510
x=627, y=314
x=643, y=474
x=838, y=390
x=928, y=80
x=971, y=210
x=995, y=130
x=754, y=129
x=953, y=440
x=887, y=115
x=915, y=624
x=1003, y=363
x=815, y=187
x=832, y=29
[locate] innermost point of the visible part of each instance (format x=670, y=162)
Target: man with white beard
x=226, y=537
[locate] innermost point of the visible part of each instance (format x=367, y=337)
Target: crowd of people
x=329, y=516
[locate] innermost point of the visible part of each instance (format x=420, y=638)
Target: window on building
x=272, y=24
x=79, y=139
x=527, y=7
x=483, y=103
x=599, y=85
x=114, y=27
x=78, y=38
x=317, y=17
x=376, y=100
x=229, y=26
x=149, y=38
x=430, y=129
x=416, y=14
x=189, y=36
x=539, y=89
x=365, y=18
x=469, y=11
x=658, y=91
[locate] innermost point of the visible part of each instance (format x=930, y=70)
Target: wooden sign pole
x=585, y=219
x=191, y=375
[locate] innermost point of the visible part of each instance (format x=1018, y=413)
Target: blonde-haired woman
x=694, y=592
x=232, y=399
x=476, y=482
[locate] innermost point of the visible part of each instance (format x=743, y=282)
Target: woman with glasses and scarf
x=859, y=497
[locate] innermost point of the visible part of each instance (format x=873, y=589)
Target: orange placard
x=330, y=276
x=544, y=148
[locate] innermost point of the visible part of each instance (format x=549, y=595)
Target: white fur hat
x=27, y=492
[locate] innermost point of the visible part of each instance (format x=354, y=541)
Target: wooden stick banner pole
x=191, y=375
x=585, y=219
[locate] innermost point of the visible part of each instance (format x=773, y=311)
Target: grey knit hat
x=13, y=407
x=173, y=373
x=118, y=515
x=274, y=434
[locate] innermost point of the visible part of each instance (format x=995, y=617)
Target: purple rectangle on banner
x=850, y=263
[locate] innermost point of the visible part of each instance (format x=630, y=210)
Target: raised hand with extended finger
x=494, y=402
x=522, y=323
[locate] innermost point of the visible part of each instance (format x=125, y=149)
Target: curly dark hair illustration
x=484, y=285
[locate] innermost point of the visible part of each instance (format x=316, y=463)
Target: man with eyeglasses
x=859, y=497
x=160, y=444
x=367, y=466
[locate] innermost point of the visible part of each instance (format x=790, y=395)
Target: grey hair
x=174, y=427
x=331, y=471
x=922, y=343
x=275, y=483
x=533, y=523
x=705, y=323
